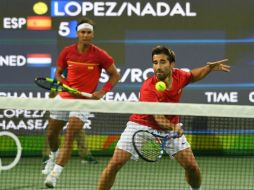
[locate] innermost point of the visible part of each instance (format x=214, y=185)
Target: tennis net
x=221, y=137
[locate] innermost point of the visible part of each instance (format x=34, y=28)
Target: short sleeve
x=105, y=59
x=185, y=77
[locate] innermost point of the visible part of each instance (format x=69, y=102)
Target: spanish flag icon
x=39, y=23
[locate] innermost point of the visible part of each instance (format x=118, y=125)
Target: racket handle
x=172, y=135
x=85, y=94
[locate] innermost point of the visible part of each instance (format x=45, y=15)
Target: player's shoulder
x=182, y=76
x=150, y=81
x=97, y=49
x=182, y=71
x=70, y=47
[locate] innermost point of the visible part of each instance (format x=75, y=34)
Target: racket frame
x=59, y=87
x=163, y=140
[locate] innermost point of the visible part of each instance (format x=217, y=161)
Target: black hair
x=166, y=51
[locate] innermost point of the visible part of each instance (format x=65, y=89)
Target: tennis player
x=84, y=152
x=84, y=62
x=163, y=65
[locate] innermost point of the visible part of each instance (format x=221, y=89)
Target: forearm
x=200, y=73
x=58, y=75
x=60, y=78
x=163, y=122
x=114, y=77
x=107, y=87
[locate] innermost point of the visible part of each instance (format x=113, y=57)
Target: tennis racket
x=150, y=146
x=56, y=86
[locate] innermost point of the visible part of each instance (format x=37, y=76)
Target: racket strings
x=44, y=84
x=149, y=146
x=56, y=86
x=48, y=84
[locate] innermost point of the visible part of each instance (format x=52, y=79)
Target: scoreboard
x=32, y=33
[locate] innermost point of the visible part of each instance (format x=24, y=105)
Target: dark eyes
x=161, y=62
x=84, y=32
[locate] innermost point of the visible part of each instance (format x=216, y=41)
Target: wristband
x=107, y=87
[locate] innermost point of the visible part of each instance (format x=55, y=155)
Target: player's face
x=161, y=66
x=85, y=36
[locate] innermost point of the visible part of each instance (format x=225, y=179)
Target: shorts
x=65, y=115
x=172, y=147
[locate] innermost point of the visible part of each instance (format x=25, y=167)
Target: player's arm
x=59, y=76
x=164, y=123
x=202, y=72
x=114, y=77
x=147, y=95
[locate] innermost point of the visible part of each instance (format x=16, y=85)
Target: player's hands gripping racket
x=56, y=86
x=150, y=146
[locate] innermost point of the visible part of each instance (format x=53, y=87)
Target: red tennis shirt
x=148, y=93
x=84, y=69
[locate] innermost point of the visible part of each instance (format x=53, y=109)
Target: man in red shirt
x=175, y=79
x=84, y=62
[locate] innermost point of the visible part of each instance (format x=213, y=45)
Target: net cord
x=101, y=106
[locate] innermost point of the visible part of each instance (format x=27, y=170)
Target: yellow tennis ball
x=40, y=8
x=160, y=86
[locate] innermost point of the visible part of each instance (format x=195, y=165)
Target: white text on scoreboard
x=13, y=22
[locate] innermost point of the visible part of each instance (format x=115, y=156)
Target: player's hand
x=52, y=94
x=98, y=94
x=76, y=95
x=219, y=65
x=178, y=129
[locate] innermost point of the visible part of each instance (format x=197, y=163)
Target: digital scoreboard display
x=32, y=33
